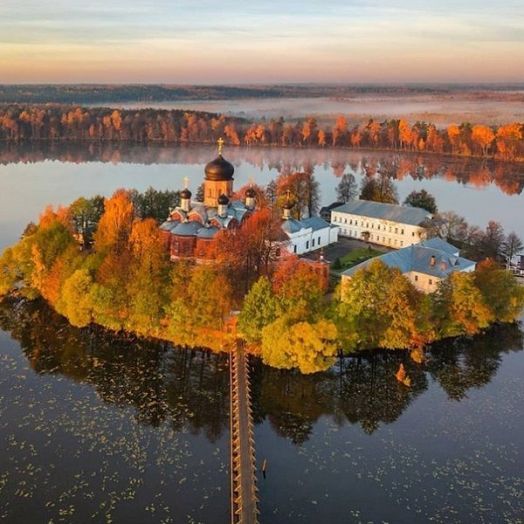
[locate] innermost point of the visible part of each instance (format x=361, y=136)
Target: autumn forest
x=19, y=123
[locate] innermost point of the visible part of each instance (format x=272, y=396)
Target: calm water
x=98, y=429
x=31, y=178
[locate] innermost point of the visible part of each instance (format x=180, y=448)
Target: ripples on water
x=102, y=428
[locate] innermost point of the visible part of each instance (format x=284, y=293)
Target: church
x=191, y=228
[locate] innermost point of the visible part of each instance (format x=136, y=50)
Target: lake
x=100, y=428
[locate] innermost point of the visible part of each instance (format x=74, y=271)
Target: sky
x=264, y=41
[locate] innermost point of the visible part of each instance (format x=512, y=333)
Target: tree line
x=53, y=122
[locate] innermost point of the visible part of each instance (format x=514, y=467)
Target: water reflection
x=508, y=177
x=189, y=389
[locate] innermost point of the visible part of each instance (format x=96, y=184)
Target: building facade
x=424, y=264
x=190, y=231
x=384, y=224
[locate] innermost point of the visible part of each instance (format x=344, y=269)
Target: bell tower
x=219, y=178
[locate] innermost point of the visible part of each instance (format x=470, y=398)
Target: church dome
x=223, y=200
x=250, y=192
x=185, y=193
x=219, y=169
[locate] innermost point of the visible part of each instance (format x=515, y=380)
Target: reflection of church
x=191, y=227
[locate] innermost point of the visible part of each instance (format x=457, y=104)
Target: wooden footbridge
x=244, y=493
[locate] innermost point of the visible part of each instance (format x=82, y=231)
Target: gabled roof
x=401, y=214
x=315, y=223
x=421, y=259
x=291, y=225
x=442, y=245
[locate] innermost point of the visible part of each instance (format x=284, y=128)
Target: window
x=345, y=221
x=416, y=278
x=350, y=222
x=319, y=241
x=401, y=231
x=430, y=282
x=313, y=243
x=413, y=233
x=294, y=249
x=390, y=229
x=396, y=231
x=307, y=244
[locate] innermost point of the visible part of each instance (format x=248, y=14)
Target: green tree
x=347, y=188
x=85, y=215
x=379, y=189
x=260, y=308
x=422, y=199
x=380, y=308
x=511, y=247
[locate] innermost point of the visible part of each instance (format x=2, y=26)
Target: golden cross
x=186, y=182
x=220, y=143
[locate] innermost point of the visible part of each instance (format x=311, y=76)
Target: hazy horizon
x=209, y=43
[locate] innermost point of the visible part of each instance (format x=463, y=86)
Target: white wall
x=382, y=232
x=307, y=240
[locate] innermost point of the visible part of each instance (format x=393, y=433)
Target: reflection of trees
x=189, y=389
x=481, y=173
x=460, y=365
x=184, y=388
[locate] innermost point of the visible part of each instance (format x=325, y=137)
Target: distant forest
x=106, y=94
x=20, y=123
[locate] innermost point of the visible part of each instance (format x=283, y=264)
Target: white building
x=308, y=234
x=424, y=264
x=385, y=224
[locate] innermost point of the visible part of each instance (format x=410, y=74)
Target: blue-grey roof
x=187, y=229
x=401, y=214
x=207, y=232
x=315, y=223
x=442, y=245
x=419, y=258
x=291, y=225
x=168, y=225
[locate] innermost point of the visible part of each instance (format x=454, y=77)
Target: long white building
x=385, y=224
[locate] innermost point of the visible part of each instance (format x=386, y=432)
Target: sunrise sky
x=228, y=41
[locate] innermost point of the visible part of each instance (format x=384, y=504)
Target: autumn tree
x=500, y=291
x=308, y=346
x=115, y=224
x=459, y=308
x=482, y=137
x=303, y=188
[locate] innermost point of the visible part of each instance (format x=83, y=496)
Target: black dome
x=223, y=200
x=185, y=193
x=219, y=169
x=250, y=192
